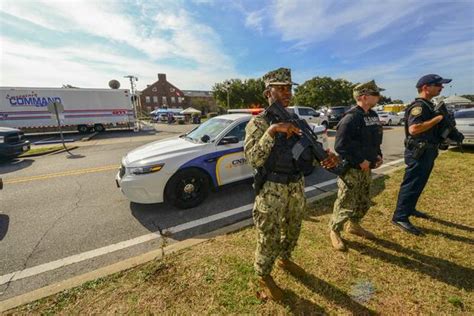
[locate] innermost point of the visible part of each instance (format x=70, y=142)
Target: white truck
x=310, y=115
x=84, y=109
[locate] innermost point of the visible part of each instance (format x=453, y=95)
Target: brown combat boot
x=269, y=289
x=291, y=267
x=356, y=229
x=337, y=241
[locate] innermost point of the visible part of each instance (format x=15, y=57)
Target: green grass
x=396, y=274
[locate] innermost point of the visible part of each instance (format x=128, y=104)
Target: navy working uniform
x=421, y=151
x=358, y=138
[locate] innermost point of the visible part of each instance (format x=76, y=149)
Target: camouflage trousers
x=353, y=198
x=278, y=212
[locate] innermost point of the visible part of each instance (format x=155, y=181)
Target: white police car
x=181, y=170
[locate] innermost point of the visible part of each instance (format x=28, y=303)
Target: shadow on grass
x=301, y=306
x=332, y=293
x=452, y=225
x=442, y=270
x=448, y=236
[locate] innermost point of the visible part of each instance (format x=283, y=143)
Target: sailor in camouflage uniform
x=358, y=140
x=280, y=203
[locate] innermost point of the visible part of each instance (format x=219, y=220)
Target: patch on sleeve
x=416, y=111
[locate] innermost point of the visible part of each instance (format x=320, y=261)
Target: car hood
x=161, y=151
x=464, y=121
x=8, y=130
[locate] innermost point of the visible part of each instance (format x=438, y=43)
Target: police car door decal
x=232, y=167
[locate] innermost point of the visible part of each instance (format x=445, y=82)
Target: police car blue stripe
x=208, y=162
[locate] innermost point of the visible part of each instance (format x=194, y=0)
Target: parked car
x=335, y=114
x=402, y=117
x=465, y=124
x=12, y=143
x=181, y=170
x=310, y=115
x=389, y=118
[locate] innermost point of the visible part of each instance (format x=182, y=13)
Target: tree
x=385, y=100
x=469, y=96
x=240, y=94
x=324, y=91
x=398, y=101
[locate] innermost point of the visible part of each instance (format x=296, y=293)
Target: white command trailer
x=84, y=109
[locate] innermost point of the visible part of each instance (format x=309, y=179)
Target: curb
x=59, y=150
x=146, y=257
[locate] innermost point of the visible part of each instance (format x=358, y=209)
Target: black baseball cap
x=431, y=79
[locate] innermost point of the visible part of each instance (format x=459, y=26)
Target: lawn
x=396, y=274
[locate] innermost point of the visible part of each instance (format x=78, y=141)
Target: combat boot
x=337, y=241
x=356, y=229
x=269, y=289
x=291, y=267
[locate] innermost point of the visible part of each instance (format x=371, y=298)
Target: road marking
x=53, y=265
x=62, y=174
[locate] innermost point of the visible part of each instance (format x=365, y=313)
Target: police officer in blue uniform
x=422, y=141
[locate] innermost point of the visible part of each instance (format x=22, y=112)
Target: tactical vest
x=281, y=159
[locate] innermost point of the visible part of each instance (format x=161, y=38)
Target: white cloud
x=171, y=35
x=254, y=20
x=28, y=64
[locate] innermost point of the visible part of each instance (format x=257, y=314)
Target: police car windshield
x=211, y=128
x=464, y=114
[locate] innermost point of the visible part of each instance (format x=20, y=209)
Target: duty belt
x=284, y=178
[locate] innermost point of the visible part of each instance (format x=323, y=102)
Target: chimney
x=162, y=77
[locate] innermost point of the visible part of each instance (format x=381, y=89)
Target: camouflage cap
x=366, y=88
x=278, y=77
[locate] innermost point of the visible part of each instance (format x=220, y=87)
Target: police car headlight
x=2, y=139
x=145, y=169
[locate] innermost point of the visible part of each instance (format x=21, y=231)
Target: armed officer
x=358, y=140
x=280, y=201
x=422, y=141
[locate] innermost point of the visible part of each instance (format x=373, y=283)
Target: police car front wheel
x=187, y=188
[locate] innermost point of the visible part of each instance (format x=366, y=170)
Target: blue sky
x=200, y=42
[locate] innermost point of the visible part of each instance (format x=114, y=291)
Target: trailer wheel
x=99, y=128
x=83, y=129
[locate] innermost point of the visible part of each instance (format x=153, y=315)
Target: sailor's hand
x=331, y=161
x=379, y=162
x=287, y=128
x=364, y=165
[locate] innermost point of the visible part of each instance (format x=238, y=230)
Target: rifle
x=308, y=139
x=447, y=127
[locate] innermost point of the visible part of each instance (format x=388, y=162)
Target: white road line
x=21, y=274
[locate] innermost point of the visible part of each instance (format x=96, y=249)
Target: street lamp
x=227, y=85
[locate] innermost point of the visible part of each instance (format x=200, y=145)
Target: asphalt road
x=62, y=216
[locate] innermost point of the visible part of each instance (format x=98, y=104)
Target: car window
x=304, y=111
x=464, y=114
x=338, y=110
x=211, y=128
x=238, y=131
x=291, y=111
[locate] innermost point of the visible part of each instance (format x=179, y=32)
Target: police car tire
x=83, y=129
x=174, y=191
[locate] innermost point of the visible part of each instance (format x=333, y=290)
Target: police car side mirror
x=229, y=140
x=317, y=114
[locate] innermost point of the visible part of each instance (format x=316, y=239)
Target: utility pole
x=133, y=81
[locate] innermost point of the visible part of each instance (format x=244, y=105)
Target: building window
x=147, y=99
x=180, y=99
x=163, y=100
x=155, y=99
x=173, y=100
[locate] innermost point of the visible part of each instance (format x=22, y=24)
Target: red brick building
x=161, y=94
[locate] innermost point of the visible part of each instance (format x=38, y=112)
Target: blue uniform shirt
x=422, y=110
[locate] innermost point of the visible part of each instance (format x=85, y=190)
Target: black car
x=12, y=143
x=335, y=114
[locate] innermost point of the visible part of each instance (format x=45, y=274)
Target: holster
x=259, y=180
x=418, y=147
